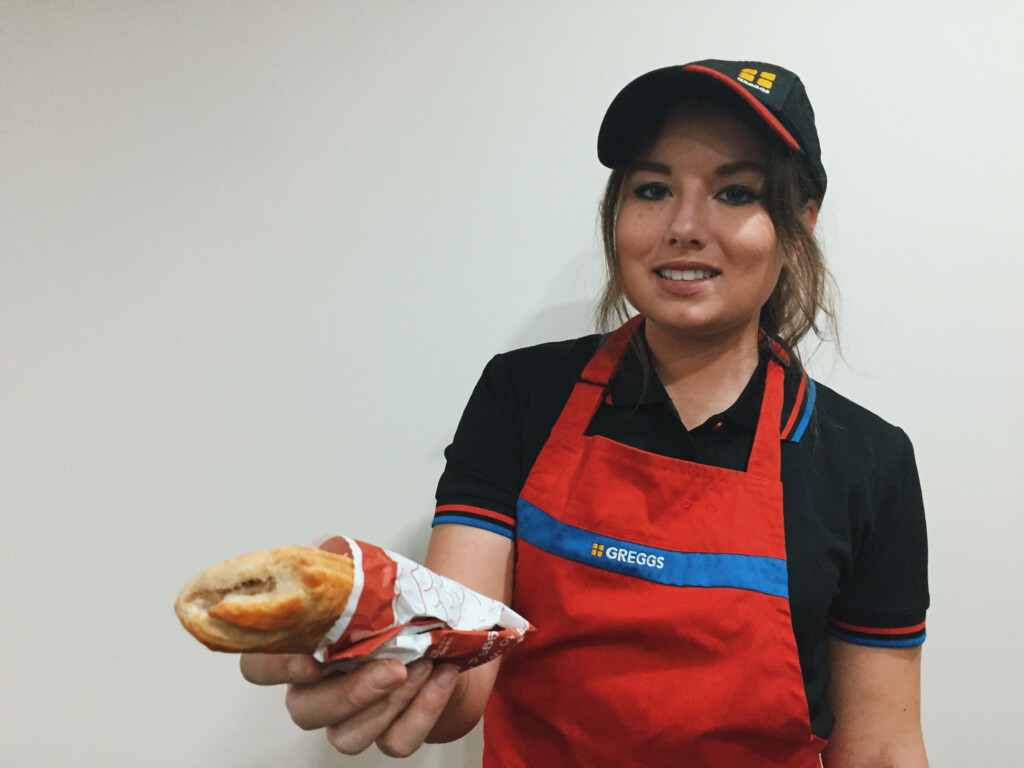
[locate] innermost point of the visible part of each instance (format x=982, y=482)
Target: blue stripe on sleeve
x=877, y=642
x=475, y=522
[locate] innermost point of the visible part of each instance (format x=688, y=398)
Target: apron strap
x=589, y=390
x=602, y=366
x=766, y=453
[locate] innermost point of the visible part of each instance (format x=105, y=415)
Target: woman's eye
x=737, y=194
x=652, y=191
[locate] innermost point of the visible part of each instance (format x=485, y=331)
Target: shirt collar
x=630, y=386
x=635, y=382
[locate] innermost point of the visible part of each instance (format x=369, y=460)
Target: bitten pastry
x=281, y=601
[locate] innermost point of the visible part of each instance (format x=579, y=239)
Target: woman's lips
x=687, y=275
x=686, y=281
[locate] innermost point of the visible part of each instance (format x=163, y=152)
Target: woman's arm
x=483, y=562
x=876, y=697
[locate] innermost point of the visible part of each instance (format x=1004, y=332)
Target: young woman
x=725, y=562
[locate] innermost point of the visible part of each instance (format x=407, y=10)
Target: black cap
x=775, y=94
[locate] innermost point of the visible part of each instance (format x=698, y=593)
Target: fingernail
x=385, y=675
x=445, y=677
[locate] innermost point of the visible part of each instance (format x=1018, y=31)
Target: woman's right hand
x=383, y=702
x=380, y=702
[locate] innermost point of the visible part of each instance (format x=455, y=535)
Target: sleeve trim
x=459, y=509
x=476, y=517
x=878, y=630
x=877, y=642
x=878, y=637
x=446, y=519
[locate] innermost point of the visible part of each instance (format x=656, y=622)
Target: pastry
x=281, y=601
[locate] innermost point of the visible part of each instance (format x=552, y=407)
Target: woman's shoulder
x=521, y=380
x=857, y=431
x=848, y=413
x=554, y=352
x=552, y=361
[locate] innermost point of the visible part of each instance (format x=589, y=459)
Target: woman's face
x=696, y=247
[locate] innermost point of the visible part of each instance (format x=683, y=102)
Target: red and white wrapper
x=402, y=610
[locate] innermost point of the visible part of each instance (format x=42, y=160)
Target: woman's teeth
x=685, y=274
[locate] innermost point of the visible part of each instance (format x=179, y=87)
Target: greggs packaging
x=401, y=610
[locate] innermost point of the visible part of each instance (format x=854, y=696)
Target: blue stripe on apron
x=663, y=566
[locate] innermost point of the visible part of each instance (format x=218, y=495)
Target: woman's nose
x=688, y=227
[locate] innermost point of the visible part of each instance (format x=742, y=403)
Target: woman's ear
x=810, y=214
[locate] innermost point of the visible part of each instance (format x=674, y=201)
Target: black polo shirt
x=854, y=518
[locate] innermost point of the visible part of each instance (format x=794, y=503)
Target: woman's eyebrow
x=739, y=166
x=650, y=165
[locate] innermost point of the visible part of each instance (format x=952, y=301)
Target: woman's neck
x=703, y=375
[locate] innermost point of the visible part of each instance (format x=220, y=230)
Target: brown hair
x=805, y=290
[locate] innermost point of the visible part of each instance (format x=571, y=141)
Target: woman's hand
x=380, y=702
x=383, y=702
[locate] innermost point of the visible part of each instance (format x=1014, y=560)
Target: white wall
x=255, y=254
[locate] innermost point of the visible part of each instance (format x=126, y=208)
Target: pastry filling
x=250, y=587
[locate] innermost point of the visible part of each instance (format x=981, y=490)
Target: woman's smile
x=686, y=278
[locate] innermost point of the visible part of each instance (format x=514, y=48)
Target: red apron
x=659, y=591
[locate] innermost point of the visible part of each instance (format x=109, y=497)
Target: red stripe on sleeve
x=879, y=630
x=476, y=511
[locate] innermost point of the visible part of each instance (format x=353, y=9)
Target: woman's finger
x=358, y=732
x=337, y=699
x=407, y=734
x=277, y=668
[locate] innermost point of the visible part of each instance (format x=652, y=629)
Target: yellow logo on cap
x=597, y=550
x=764, y=79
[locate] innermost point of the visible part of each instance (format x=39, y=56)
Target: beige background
x=254, y=256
